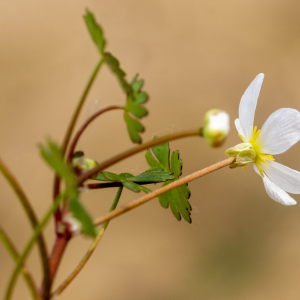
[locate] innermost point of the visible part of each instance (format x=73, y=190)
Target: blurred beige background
x=194, y=55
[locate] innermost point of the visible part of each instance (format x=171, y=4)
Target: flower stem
x=163, y=190
x=90, y=251
x=30, y=244
x=15, y=255
x=135, y=150
x=34, y=223
x=56, y=185
x=84, y=126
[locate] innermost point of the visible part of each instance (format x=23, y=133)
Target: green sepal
x=134, y=127
x=95, y=31
x=81, y=214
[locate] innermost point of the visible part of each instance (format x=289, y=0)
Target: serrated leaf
x=136, y=109
x=83, y=217
x=95, y=31
x=153, y=175
x=162, y=153
x=134, y=127
x=114, y=64
x=177, y=198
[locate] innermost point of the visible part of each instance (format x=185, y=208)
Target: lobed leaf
x=95, y=31
x=177, y=198
x=114, y=65
x=133, y=127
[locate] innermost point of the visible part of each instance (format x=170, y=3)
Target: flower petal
x=284, y=177
x=239, y=128
x=248, y=105
x=275, y=192
x=280, y=132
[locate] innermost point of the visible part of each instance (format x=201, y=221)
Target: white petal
x=280, y=132
x=275, y=192
x=248, y=105
x=239, y=128
x=284, y=177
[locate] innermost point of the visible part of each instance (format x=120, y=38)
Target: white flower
x=277, y=135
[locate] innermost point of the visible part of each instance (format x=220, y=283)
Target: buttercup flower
x=277, y=135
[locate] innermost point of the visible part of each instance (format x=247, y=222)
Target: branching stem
x=90, y=251
x=163, y=190
x=84, y=126
x=135, y=150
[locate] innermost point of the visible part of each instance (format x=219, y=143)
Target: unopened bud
x=82, y=164
x=216, y=127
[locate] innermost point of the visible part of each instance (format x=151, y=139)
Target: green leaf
x=145, y=190
x=134, y=127
x=81, y=214
x=95, y=31
x=177, y=198
x=162, y=153
x=153, y=175
x=131, y=186
x=53, y=156
x=136, y=98
x=111, y=176
x=114, y=65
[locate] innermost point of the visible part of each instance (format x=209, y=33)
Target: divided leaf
x=133, y=127
x=95, y=31
x=177, y=198
x=131, y=182
x=114, y=65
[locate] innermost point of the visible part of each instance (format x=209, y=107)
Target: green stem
x=90, y=250
x=30, y=244
x=34, y=222
x=71, y=127
x=135, y=150
x=15, y=255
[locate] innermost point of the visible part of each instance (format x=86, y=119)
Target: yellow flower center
x=260, y=157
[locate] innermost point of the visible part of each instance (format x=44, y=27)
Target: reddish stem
x=84, y=126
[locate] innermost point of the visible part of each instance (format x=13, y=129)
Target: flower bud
x=82, y=164
x=216, y=127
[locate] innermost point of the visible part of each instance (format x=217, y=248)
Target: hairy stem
x=163, y=190
x=34, y=222
x=135, y=150
x=15, y=255
x=30, y=244
x=84, y=126
x=90, y=251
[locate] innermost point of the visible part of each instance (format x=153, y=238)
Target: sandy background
x=195, y=55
